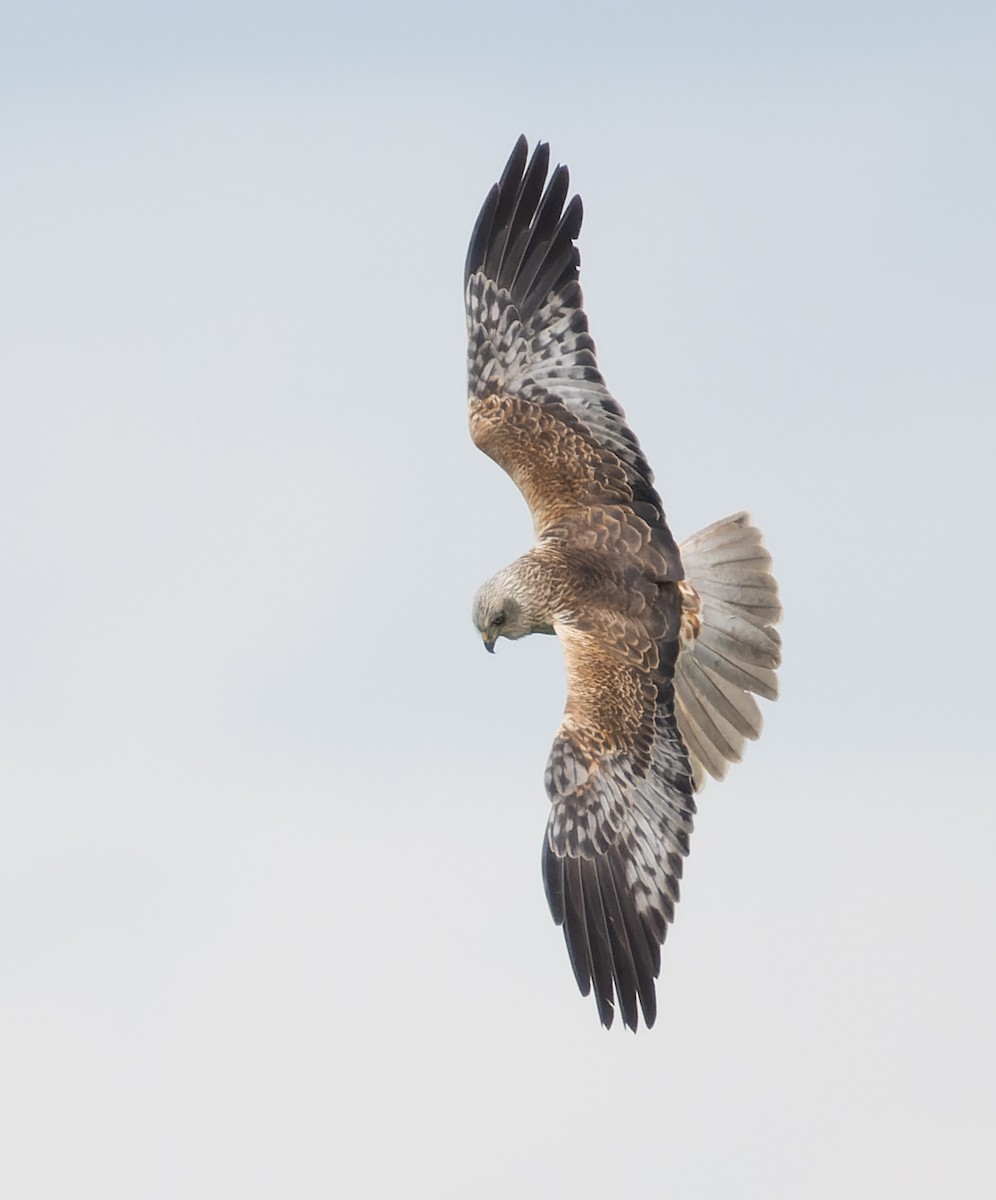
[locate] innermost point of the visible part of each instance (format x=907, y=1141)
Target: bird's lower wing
x=620, y=785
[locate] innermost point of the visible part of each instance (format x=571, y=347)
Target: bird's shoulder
x=548, y=453
x=627, y=541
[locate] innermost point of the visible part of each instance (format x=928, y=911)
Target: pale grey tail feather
x=736, y=650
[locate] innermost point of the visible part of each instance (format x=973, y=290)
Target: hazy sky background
x=270, y=903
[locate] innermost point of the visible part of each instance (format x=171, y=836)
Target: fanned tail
x=730, y=648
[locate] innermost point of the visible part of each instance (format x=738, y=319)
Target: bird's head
x=498, y=612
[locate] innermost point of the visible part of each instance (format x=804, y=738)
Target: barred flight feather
x=736, y=650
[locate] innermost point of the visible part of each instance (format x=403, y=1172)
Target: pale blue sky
x=271, y=919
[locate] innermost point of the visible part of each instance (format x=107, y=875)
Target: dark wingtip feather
x=553, y=882
x=524, y=237
x=482, y=232
x=645, y=949
x=527, y=197
x=495, y=208
x=575, y=935
x=599, y=942
x=623, y=963
x=614, y=952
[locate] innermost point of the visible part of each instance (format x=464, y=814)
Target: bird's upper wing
x=620, y=785
x=539, y=405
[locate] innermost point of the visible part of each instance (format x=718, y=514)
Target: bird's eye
x=499, y=620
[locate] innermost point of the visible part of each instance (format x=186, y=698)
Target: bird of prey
x=665, y=646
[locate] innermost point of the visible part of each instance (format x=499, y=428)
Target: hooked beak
x=489, y=643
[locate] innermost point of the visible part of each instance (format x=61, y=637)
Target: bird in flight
x=665, y=646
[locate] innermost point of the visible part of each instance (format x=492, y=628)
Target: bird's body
x=659, y=666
